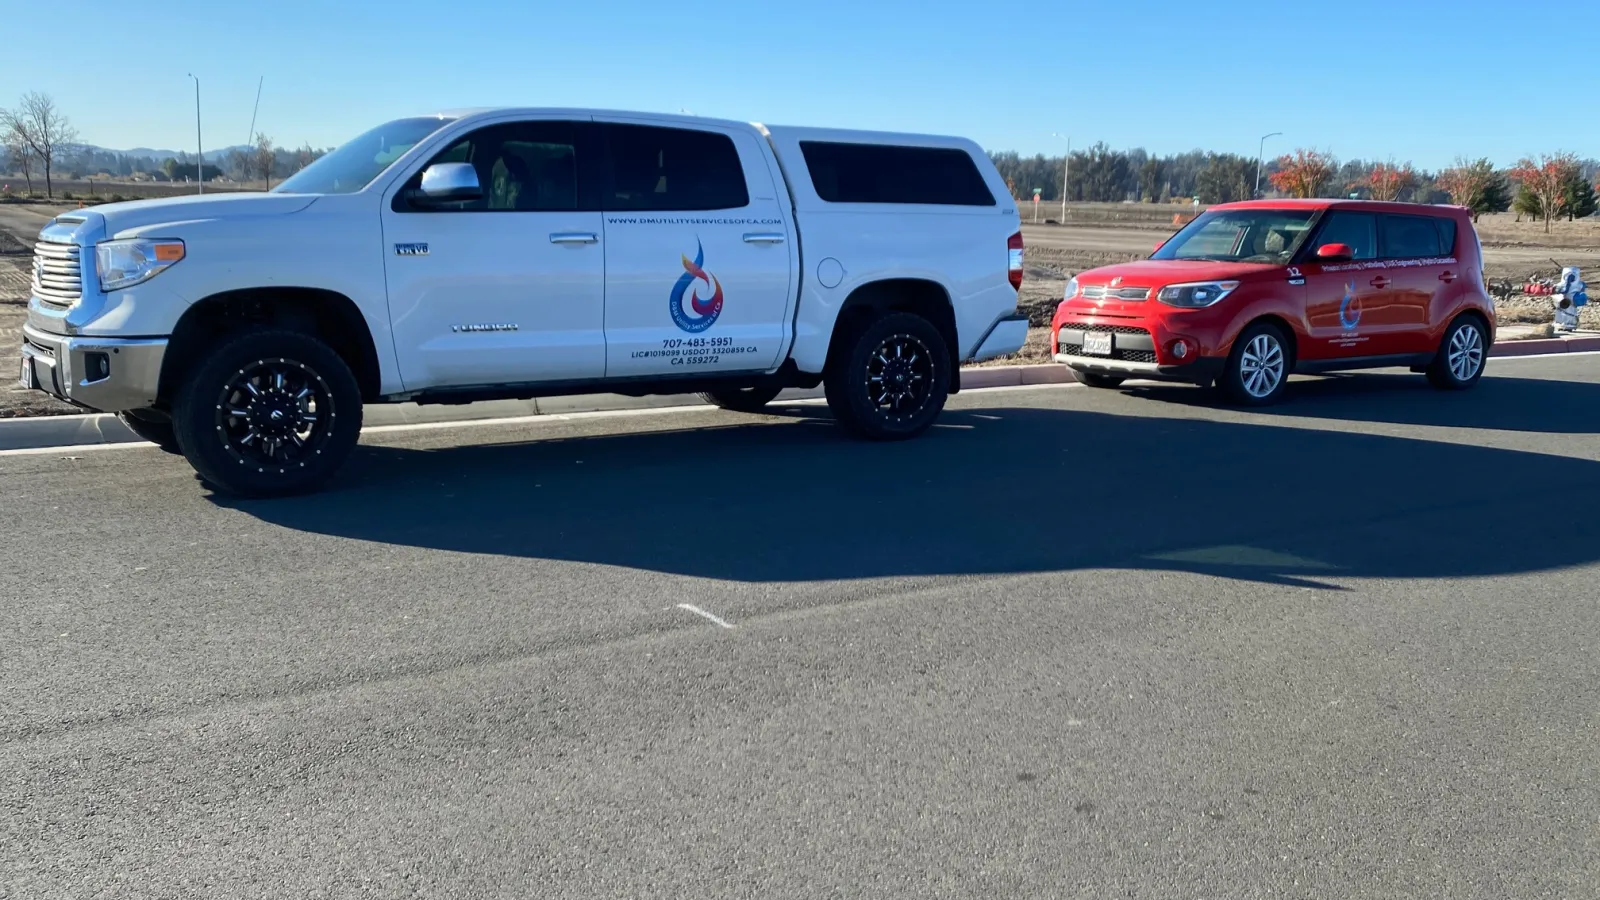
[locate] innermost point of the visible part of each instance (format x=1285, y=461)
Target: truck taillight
x=1014, y=254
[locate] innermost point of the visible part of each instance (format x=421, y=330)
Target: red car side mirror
x=1335, y=253
x=1159, y=245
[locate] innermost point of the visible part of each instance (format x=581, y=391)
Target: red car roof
x=1319, y=203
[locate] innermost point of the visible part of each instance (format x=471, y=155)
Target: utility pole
x=251, y=140
x=1260, y=150
x=199, y=147
x=1066, y=176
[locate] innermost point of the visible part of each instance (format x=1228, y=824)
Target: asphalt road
x=1092, y=238
x=1072, y=643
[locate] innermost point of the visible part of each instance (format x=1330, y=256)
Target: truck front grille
x=57, y=273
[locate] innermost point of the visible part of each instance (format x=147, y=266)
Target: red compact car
x=1248, y=293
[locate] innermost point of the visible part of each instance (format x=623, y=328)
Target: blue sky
x=1401, y=78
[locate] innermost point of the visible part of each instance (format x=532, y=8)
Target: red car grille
x=1144, y=352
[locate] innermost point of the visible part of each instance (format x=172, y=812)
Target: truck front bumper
x=104, y=374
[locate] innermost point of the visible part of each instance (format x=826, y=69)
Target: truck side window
x=1410, y=237
x=657, y=168
x=522, y=167
x=1356, y=229
x=883, y=173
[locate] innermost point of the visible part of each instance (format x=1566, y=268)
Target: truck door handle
x=1380, y=282
x=763, y=238
x=1447, y=277
x=573, y=237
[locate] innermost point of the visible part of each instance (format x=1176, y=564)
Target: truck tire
x=268, y=413
x=747, y=400
x=1257, y=370
x=1462, y=353
x=155, y=431
x=890, y=379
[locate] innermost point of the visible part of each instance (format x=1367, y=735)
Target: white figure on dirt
x=1569, y=297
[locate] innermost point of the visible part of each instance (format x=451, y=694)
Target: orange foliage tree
x=1302, y=173
x=1471, y=184
x=1547, y=180
x=1385, y=181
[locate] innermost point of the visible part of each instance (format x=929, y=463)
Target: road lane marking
x=700, y=612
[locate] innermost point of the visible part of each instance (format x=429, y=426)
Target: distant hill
x=159, y=155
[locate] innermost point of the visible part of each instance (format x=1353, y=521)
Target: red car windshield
x=1268, y=236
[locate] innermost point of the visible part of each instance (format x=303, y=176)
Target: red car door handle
x=1380, y=282
x=1447, y=277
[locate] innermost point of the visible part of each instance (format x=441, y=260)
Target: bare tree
x=43, y=128
x=17, y=149
x=264, y=156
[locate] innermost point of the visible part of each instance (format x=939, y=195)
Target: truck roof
x=792, y=132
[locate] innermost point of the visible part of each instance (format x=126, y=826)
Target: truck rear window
x=884, y=173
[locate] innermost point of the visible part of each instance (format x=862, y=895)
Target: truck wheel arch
x=919, y=296
x=329, y=315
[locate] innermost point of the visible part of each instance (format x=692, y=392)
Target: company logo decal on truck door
x=704, y=312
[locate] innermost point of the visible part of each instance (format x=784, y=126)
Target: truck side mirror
x=1335, y=253
x=448, y=183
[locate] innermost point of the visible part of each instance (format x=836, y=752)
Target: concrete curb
x=1546, y=345
x=41, y=432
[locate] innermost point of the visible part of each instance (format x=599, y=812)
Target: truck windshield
x=1240, y=235
x=354, y=164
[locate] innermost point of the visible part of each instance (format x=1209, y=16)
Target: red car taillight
x=1014, y=255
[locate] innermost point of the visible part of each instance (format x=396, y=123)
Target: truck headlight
x=1072, y=289
x=126, y=263
x=1197, y=295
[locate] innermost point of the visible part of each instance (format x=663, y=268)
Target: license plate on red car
x=1097, y=343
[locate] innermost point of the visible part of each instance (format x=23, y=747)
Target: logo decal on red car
x=1350, y=307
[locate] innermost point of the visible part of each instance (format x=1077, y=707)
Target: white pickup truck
x=517, y=253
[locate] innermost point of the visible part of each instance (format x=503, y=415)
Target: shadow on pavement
x=1497, y=403
x=989, y=491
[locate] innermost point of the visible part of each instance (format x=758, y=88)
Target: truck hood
x=119, y=219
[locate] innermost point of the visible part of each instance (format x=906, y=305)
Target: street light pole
x=199, y=148
x=1260, y=150
x=1066, y=176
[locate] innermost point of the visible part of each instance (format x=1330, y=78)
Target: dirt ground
x=1097, y=235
